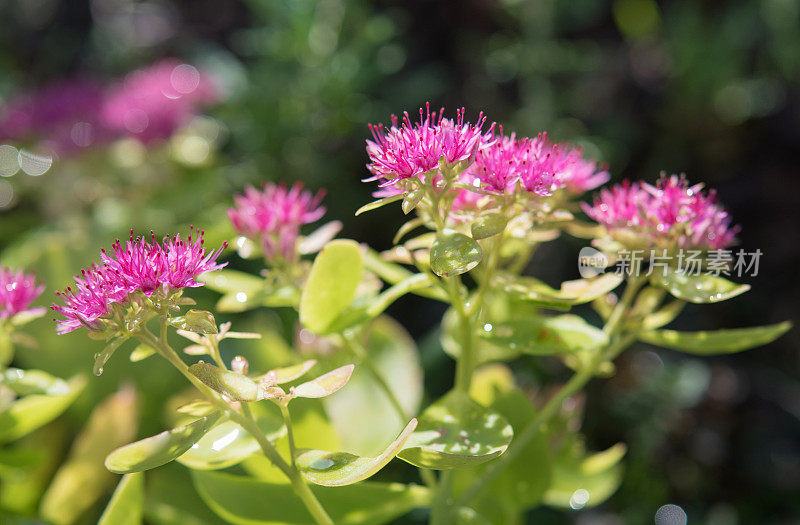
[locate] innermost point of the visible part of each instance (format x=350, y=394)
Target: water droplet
x=579, y=499
x=241, y=297
x=321, y=464
x=98, y=371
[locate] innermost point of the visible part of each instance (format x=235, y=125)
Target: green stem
x=245, y=421
x=287, y=420
x=574, y=385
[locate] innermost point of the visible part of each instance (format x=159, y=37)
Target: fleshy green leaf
x=162, y=448
x=319, y=237
x=100, y=359
x=331, y=285
x=665, y=315
x=716, y=341
x=374, y=205
x=454, y=253
x=585, y=481
x=456, y=432
x=31, y=412
x=196, y=321
x=32, y=382
x=141, y=352
x=245, y=501
x=232, y=281
x=335, y=469
x=698, y=288
x=227, y=444
x=545, y=335
x=286, y=374
x=326, y=384
x=488, y=226
x=126, y=505
x=235, y=386
x=571, y=293
x=411, y=200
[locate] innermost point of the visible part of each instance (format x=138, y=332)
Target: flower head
x=408, y=149
x=17, y=291
x=139, y=266
x=274, y=216
x=671, y=213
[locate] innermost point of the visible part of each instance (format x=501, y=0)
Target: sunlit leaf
x=232, y=281
x=245, y=501
x=33, y=382
x=235, y=386
x=197, y=408
x=374, y=205
x=454, y=253
x=31, y=412
x=141, y=353
x=227, y=444
x=82, y=479
x=698, y=288
x=325, y=384
x=331, y=285
x=126, y=505
x=162, y=448
x=456, y=432
x=195, y=321
x=334, y=469
x=665, y=315
x=319, y=237
x=287, y=374
x=581, y=480
x=716, y=341
x=546, y=335
x=571, y=293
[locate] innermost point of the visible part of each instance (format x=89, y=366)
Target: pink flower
x=154, y=101
x=409, y=149
x=582, y=175
x=670, y=213
x=17, y=291
x=139, y=265
x=274, y=216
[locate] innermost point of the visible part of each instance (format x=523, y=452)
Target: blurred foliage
x=704, y=87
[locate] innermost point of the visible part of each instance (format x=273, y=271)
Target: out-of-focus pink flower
x=581, y=175
x=274, y=216
x=17, y=292
x=140, y=265
x=151, y=103
x=671, y=213
x=62, y=117
x=408, y=149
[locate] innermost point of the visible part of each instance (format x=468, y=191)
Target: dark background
x=708, y=88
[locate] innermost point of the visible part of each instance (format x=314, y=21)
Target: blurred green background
x=708, y=88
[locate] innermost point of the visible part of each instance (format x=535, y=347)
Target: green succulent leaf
x=578, y=291
x=545, y=335
x=196, y=321
x=28, y=413
x=33, y=382
x=245, y=501
x=141, y=352
x=488, y=226
x=580, y=480
x=160, y=449
x=326, y=384
x=126, y=505
x=716, y=341
x=232, y=281
x=412, y=200
x=331, y=285
x=102, y=358
x=374, y=205
x=235, y=386
x=456, y=432
x=335, y=469
x=454, y=253
x=228, y=444
x=665, y=315
x=698, y=288
x=287, y=374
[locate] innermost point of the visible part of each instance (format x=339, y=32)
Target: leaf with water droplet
x=456, y=432
x=335, y=469
x=196, y=321
x=234, y=386
x=715, y=342
x=697, y=288
x=584, y=480
x=547, y=335
x=578, y=291
x=454, y=253
x=325, y=384
x=488, y=225
x=101, y=358
x=160, y=449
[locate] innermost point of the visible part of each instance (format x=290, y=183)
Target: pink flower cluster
x=148, y=104
x=140, y=265
x=408, y=149
x=274, y=215
x=17, y=292
x=671, y=213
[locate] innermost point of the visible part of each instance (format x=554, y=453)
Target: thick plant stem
x=287, y=420
x=247, y=422
x=573, y=386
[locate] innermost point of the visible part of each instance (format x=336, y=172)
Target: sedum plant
x=480, y=202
